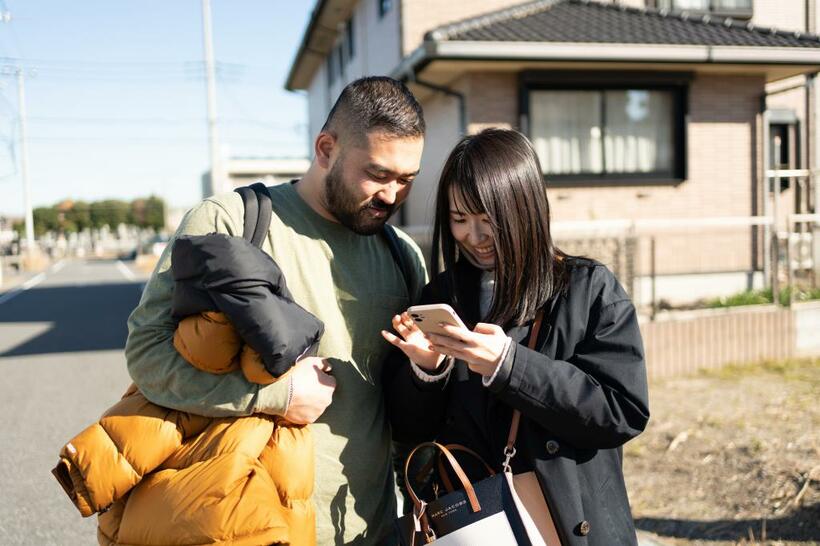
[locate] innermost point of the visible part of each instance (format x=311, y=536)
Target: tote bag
x=482, y=513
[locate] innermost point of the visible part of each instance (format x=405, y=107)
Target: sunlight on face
x=472, y=232
x=367, y=183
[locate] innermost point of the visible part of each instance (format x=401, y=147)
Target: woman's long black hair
x=496, y=172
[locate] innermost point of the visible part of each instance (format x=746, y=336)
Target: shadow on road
x=84, y=318
x=802, y=525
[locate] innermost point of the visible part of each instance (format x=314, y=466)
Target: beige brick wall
x=781, y=14
x=420, y=16
x=492, y=100
x=722, y=132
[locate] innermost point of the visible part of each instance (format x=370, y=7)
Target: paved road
x=61, y=365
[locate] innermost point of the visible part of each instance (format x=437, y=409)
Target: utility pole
x=21, y=106
x=218, y=180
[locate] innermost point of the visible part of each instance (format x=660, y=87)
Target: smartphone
x=428, y=317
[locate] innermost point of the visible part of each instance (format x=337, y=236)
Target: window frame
x=350, y=40
x=676, y=83
x=382, y=10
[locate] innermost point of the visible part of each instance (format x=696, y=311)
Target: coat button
x=552, y=447
x=583, y=528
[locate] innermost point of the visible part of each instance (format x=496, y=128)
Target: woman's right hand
x=413, y=343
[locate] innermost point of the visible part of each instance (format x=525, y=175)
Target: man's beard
x=343, y=205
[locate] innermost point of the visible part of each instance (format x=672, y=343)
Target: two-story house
x=640, y=109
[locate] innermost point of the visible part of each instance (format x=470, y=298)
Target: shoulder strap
x=265, y=213
x=392, y=238
x=258, y=212
x=509, y=449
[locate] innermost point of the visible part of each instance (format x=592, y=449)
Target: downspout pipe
x=462, y=101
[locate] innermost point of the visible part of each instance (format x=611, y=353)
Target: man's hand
x=312, y=388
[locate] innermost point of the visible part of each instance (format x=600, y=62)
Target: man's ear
x=323, y=148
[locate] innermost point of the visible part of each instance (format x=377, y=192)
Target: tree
x=154, y=213
x=80, y=215
x=111, y=212
x=45, y=219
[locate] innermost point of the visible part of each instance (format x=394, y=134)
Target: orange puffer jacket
x=159, y=476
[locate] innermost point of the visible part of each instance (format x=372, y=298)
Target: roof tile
x=586, y=21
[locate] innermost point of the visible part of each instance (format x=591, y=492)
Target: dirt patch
x=731, y=457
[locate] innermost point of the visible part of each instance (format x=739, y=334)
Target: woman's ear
x=323, y=148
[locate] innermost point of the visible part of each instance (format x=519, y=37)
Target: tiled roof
x=585, y=21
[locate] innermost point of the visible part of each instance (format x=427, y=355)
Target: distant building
x=271, y=171
x=7, y=233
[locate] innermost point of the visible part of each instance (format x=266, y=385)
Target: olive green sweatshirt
x=353, y=285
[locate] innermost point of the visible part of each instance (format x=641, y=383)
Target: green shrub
x=758, y=297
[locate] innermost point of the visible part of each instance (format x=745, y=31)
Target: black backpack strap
x=251, y=211
x=258, y=212
x=265, y=213
x=389, y=233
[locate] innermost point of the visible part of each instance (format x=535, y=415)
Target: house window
x=607, y=133
x=341, y=54
x=784, y=140
x=331, y=68
x=384, y=7
x=734, y=8
x=350, y=39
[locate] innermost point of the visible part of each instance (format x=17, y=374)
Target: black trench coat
x=582, y=394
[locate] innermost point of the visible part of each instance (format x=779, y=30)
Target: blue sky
x=116, y=94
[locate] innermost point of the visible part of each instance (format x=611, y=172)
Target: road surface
x=62, y=335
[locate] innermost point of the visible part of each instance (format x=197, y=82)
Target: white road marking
x=57, y=267
x=125, y=271
x=31, y=283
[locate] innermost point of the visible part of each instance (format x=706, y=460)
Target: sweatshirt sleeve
x=161, y=374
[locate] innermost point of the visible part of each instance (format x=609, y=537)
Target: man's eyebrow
x=382, y=169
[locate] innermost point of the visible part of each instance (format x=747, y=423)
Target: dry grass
x=731, y=457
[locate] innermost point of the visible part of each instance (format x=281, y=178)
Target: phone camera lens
x=415, y=316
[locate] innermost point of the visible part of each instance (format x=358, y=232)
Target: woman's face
x=472, y=232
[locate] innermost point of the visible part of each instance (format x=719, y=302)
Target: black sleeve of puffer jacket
x=248, y=286
x=416, y=409
x=597, y=398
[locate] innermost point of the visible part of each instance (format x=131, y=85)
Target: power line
x=116, y=121
x=114, y=140
x=130, y=71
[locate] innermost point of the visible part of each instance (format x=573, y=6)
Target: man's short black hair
x=375, y=103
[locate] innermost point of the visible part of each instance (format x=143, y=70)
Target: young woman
x=582, y=392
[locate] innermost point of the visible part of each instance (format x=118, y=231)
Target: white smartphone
x=428, y=317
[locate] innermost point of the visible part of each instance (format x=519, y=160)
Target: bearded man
x=325, y=236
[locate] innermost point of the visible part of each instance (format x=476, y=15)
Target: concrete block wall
x=686, y=342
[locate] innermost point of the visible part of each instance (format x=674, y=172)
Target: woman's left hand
x=481, y=349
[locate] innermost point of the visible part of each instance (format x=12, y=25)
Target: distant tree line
x=75, y=216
